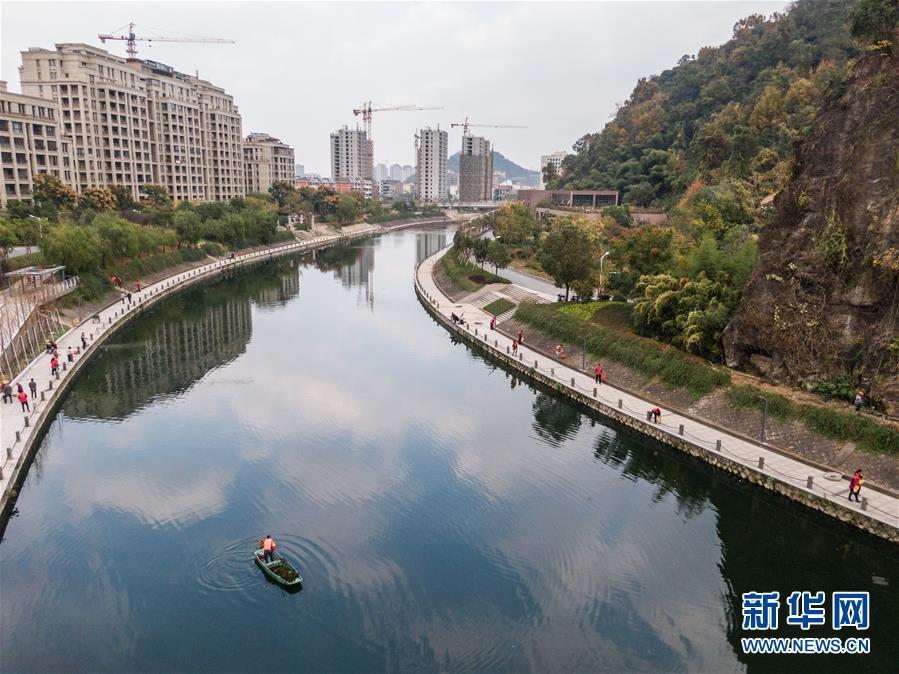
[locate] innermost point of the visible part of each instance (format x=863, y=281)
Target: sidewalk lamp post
x=601, y=285
x=764, y=418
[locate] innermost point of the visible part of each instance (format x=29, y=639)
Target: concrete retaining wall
x=852, y=517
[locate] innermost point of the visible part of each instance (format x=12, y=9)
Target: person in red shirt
x=54, y=365
x=656, y=415
x=492, y=322
x=23, y=398
x=598, y=373
x=514, y=347
x=520, y=337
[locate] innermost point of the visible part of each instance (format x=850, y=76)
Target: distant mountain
x=512, y=170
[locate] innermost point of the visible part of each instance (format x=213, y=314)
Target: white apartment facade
x=554, y=159
x=266, y=160
x=350, y=155
x=134, y=122
x=431, y=156
x=31, y=143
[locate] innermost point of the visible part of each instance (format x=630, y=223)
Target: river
x=445, y=515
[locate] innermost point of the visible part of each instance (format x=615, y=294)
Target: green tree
x=550, y=176
x=875, y=21
x=281, y=191
x=480, y=248
x=498, y=254
x=462, y=242
x=78, y=248
x=8, y=238
x=640, y=194
x=638, y=252
x=514, y=223
x=187, y=226
x=121, y=238
x=123, y=197
x=568, y=252
x=620, y=214
x=156, y=195
x=346, y=211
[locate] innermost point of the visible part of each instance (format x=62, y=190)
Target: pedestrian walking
x=138, y=286
x=54, y=365
x=560, y=352
x=859, y=400
x=70, y=357
x=33, y=386
x=514, y=347
x=599, y=376
x=520, y=337
x=7, y=392
x=83, y=342
x=128, y=295
x=19, y=387
x=23, y=398
x=855, y=484
x=492, y=322
x=656, y=415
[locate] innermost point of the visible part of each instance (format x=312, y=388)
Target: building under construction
x=475, y=169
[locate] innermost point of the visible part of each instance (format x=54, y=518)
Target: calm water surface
x=445, y=516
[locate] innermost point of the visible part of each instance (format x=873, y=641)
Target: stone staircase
x=518, y=294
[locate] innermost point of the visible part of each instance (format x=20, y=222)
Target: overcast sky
x=297, y=70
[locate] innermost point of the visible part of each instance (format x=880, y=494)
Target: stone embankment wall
x=855, y=518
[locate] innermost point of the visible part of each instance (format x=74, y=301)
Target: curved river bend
x=446, y=516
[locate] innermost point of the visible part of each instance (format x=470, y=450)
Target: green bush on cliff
x=643, y=355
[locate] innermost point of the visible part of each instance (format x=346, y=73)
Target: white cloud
x=299, y=69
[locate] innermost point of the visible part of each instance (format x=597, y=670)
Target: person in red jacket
x=54, y=365
x=268, y=548
x=23, y=398
x=656, y=415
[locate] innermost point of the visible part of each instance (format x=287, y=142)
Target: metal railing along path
x=19, y=429
x=762, y=460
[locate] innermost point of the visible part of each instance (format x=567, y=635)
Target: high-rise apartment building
x=350, y=159
x=396, y=172
x=555, y=160
x=475, y=169
x=381, y=172
x=431, y=165
x=136, y=122
x=408, y=172
x=266, y=160
x=299, y=171
x=30, y=144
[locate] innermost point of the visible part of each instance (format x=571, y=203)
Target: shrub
x=644, y=355
x=212, y=248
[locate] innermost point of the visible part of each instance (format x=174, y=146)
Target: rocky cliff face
x=824, y=298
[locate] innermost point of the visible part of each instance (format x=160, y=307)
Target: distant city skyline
x=591, y=43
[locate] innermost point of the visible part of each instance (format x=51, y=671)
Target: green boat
x=279, y=569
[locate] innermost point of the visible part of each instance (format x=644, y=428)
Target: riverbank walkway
x=881, y=506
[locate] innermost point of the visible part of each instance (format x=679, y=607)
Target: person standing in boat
x=268, y=548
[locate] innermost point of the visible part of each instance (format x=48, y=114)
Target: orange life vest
x=268, y=544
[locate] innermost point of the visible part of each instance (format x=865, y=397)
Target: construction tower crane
x=465, y=126
x=130, y=37
x=366, y=111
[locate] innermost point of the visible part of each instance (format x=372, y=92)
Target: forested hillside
x=730, y=113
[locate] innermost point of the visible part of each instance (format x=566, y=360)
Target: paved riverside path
x=881, y=506
x=17, y=428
